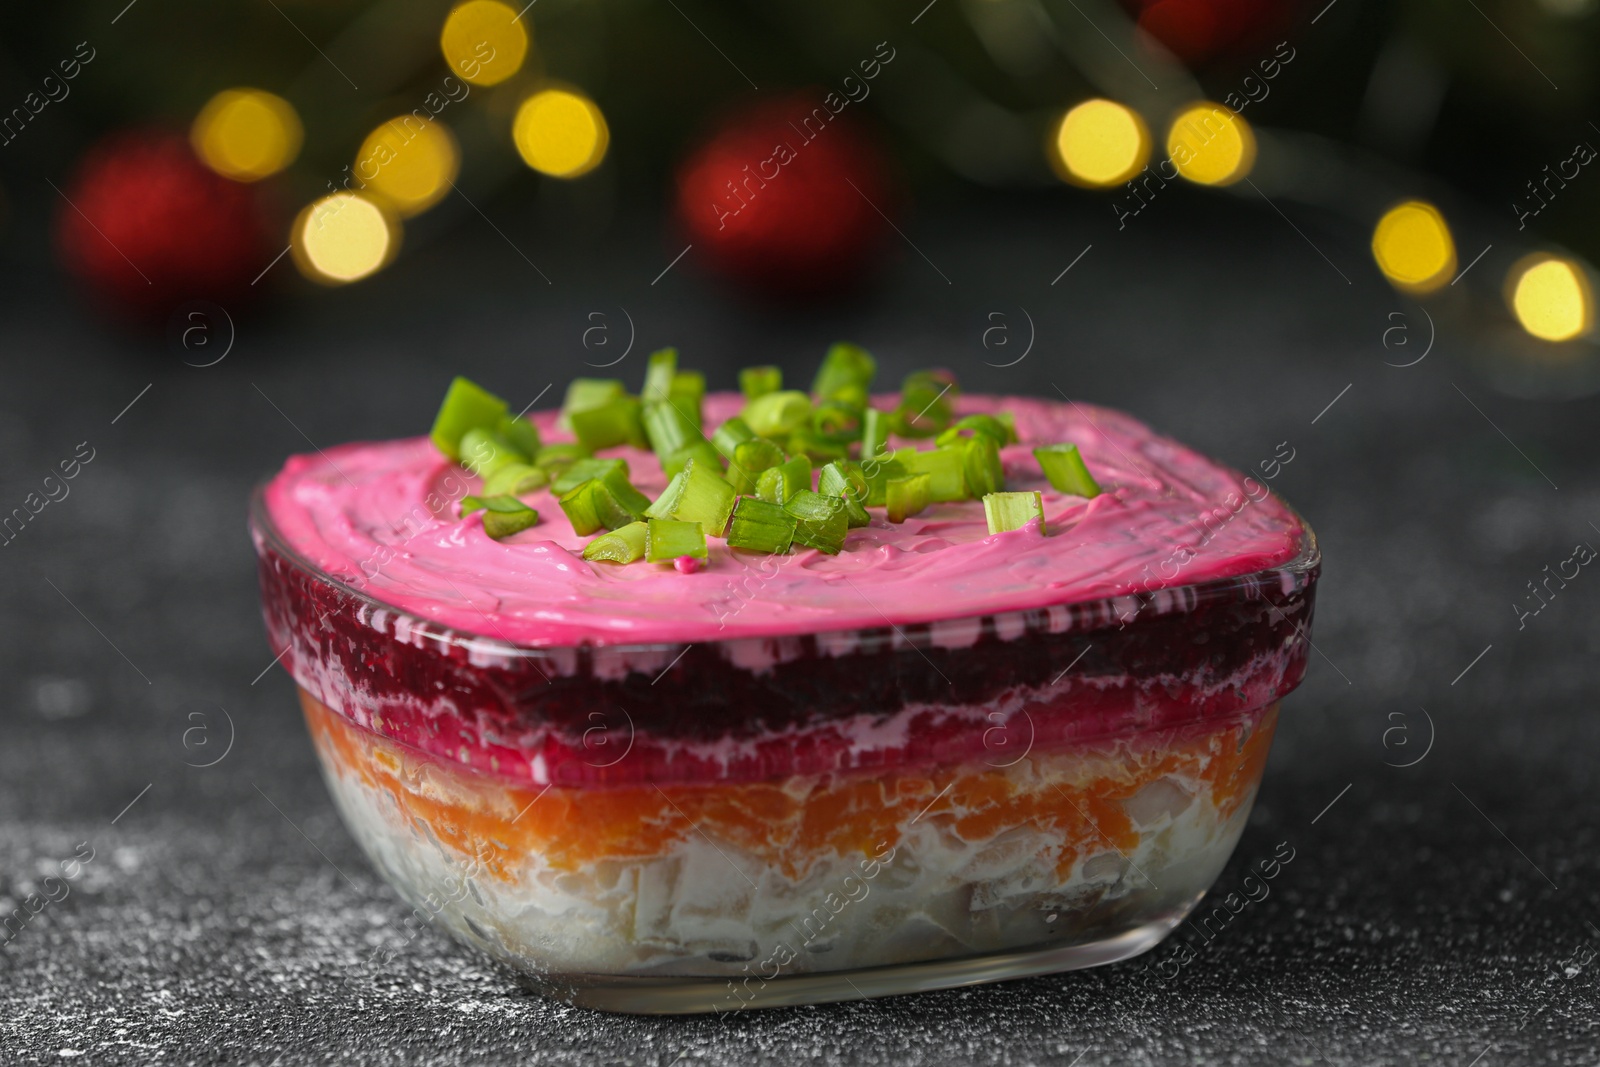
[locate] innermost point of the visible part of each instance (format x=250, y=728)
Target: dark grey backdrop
x=1447, y=909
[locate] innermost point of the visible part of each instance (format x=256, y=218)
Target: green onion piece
x=593, y=505
x=777, y=414
x=658, y=375
x=750, y=458
x=466, y=406
x=845, y=480
x=483, y=452
x=981, y=460
x=879, y=472
x=584, y=469
x=624, y=545
x=1009, y=422
x=927, y=401
x=669, y=429
x=698, y=493
x=584, y=394
x=946, y=471
x=514, y=480
x=700, y=449
x=836, y=420
x=846, y=367
x=966, y=428
x=469, y=504
x=874, y=433
x=906, y=496
x=622, y=491
x=1013, y=511
x=613, y=423
x=731, y=435
x=523, y=435
x=665, y=540
x=805, y=441
x=558, y=457
x=820, y=521
x=1067, y=472
x=687, y=393
x=761, y=526
x=759, y=381
x=502, y=515
x=777, y=485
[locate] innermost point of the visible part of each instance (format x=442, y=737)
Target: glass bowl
x=760, y=822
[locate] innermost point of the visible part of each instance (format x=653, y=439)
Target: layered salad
x=742, y=689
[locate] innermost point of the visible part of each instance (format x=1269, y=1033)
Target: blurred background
x=232, y=232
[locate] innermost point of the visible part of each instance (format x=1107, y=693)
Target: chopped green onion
x=878, y=472
x=946, y=471
x=835, y=420
x=759, y=381
x=622, y=491
x=699, y=448
x=466, y=406
x=981, y=459
x=523, y=435
x=687, y=393
x=624, y=545
x=906, y=496
x=760, y=526
x=966, y=428
x=750, y=458
x=820, y=521
x=1008, y=421
x=698, y=493
x=584, y=394
x=1067, y=472
x=777, y=414
x=806, y=441
x=668, y=428
x=1013, y=511
x=515, y=479
x=926, y=403
x=666, y=540
x=613, y=423
x=502, y=515
x=847, y=369
x=731, y=435
x=658, y=375
x=777, y=485
x=844, y=479
x=597, y=503
x=558, y=457
x=874, y=433
x=483, y=452
x=584, y=469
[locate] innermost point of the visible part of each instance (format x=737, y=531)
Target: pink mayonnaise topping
x=382, y=518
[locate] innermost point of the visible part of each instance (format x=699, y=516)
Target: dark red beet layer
x=1240, y=644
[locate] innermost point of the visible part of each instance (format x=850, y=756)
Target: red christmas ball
x=784, y=197
x=145, y=227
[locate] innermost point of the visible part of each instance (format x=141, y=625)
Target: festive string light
x=1413, y=247
x=560, y=133
x=483, y=41
x=1210, y=144
x=1551, y=298
x=343, y=237
x=409, y=163
x=246, y=134
x=1100, y=143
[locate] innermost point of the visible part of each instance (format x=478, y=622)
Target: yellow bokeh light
x=246, y=134
x=484, y=41
x=1551, y=297
x=1413, y=247
x=1211, y=145
x=1100, y=143
x=343, y=237
x=409, y=163
x=560, y=133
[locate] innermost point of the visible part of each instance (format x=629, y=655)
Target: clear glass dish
x=773, y=821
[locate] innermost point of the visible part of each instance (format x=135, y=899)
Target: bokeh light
x=1211, y=144
x=409, y=163
x=1100, y=143
x=1550, y=297
x=560, y=133
x=1413, y=247
x=343, y=237
x=246, y=134
x=484, y=41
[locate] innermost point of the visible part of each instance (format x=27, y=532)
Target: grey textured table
x=1442, y=912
